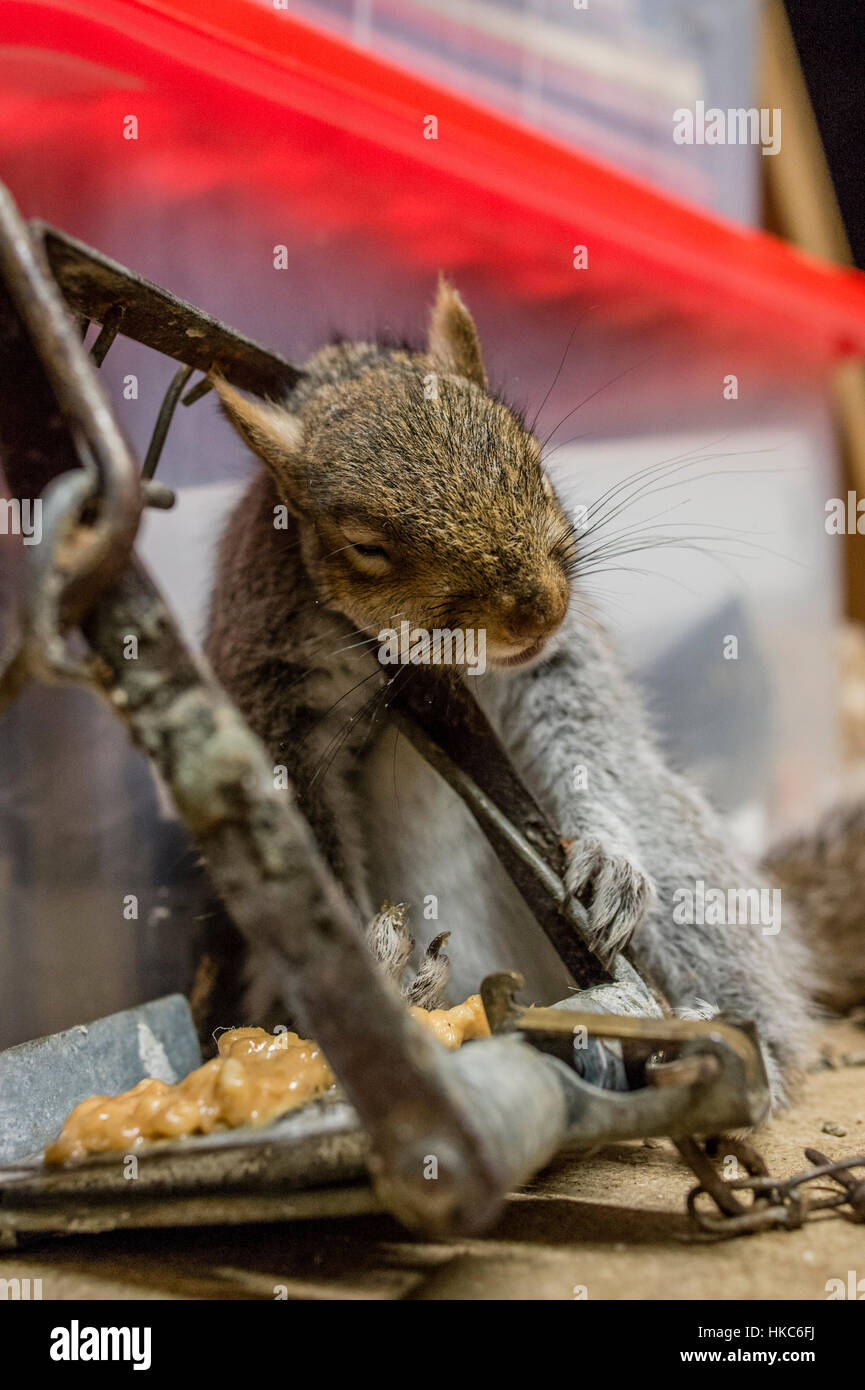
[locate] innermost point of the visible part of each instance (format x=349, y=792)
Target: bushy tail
x=822, y=869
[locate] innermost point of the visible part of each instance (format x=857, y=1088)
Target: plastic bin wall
x=605, y=78
x=262, y=143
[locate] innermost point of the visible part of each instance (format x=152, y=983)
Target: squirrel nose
x=526, y=619
x=526, y=626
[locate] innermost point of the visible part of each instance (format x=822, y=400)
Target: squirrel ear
x=270, y=431
x=453, y=339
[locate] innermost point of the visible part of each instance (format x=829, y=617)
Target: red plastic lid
x=486, y=189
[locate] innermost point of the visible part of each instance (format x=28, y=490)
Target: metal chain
x=776, y=1203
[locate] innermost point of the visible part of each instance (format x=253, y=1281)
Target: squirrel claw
x=613, y=889
x=391, y=943
x=428, y=986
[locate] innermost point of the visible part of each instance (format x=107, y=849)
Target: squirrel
x=397, y=487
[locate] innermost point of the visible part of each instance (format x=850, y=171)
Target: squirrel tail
x=822, y=869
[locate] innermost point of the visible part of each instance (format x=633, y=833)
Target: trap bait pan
x=315, y=1161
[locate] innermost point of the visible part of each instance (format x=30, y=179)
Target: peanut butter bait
x=256, y=1077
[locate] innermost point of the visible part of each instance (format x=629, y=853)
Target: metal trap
x=492, y=1113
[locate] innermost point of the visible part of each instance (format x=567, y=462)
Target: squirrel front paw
x=614, y=890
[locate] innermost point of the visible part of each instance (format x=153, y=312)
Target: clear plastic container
x=604, y=78
x=255, y=132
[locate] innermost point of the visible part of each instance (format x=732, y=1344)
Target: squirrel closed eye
x=370, y=556
x=377, y=550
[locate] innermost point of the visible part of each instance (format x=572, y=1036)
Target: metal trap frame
x=491, y=1114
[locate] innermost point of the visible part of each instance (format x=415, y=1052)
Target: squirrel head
x=419, y=496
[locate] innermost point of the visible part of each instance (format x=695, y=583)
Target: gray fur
x=650, y=833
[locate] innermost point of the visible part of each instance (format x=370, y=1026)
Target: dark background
x=830, y=38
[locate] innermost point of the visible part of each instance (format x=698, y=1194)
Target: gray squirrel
x=397, y=488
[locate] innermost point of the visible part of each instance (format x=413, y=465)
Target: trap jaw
x=531, y=1091
x=667, y=1076
x=492, y=1114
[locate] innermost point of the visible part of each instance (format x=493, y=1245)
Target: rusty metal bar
x=441, y=718
x=260, y=852
x=107, y=334
x=93, y=285
x=66, y=389
x=527, y=863
x=254, y=840
x=163, y=421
